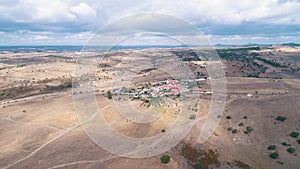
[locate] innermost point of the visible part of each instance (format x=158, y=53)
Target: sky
x=74, y=22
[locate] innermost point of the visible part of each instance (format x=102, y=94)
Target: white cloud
x=38, y=37
x=76, y=17
x=53, y=11
x=84, y=12
x=197, y=11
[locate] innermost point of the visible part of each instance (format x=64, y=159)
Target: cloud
x=264, y=18
x=38, y=15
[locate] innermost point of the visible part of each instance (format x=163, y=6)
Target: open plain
x=39, y=127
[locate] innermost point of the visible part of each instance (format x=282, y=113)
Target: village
x=164, y=88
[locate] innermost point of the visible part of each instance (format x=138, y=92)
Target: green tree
x=165, y=159
x=272, y=147
x=234, y=131
x=294, y=134
x=249, y=129
x=280, y=118
x=193, y=116
x=291, y=150
x=285, y=144
x=274, y=155
x=109, y=94
x=199, y=165
x=241, y=124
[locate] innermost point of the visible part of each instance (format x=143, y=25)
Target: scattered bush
x=298, y=141
x=24, y=111
x=249, y=129
x=245, y=117
x=228, y=117
x=274, y=155
x=193, y=116
x=294, y=134
x=165, y=159
x=109, y=94
x=285, y=144
x=199, y=166
x=280, y=118
x=229, y=128
x=291, y=150
x=234, y=131
x=163, y=130
x=272, y=147
x=241, y=124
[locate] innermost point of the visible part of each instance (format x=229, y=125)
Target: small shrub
x=229, y=128
x=24, y=111
x=285, y=144
x=280, y=118
x=163, y=130
x=298, y=141
x=228, y=117
x=165, y=159
x=245, y=117
x=294, y=134
x=193, y=116
x=199, y=166
x=234, y=131
x=109, y=94
x=241, y=124
x=291, y=150
x=272, y=147
x=274, y=155
x=249, y=129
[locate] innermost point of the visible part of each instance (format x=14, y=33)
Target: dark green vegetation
x=274, y=155
x=30, y=90
x=248, y=130
x=109, y=94
x=291, y=150
x=270, y=62
x=208, y=159
x=294, y=134
x=58, y=57
x=234, y=131
x=255, y=62
x=285, y=144
x=298, y=141
x=187, y=55
x=243, y=61
x=241, y=124
x=199, y=165
x=280, y=118
x=272, y=147
x=228, y=117
x=165, y=159
x=193, y=116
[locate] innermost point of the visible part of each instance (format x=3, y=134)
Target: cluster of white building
x=168, y=87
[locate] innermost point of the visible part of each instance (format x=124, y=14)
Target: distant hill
x=290, y=44
x=248, y=44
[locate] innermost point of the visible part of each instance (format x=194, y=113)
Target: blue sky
x=73, y=22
